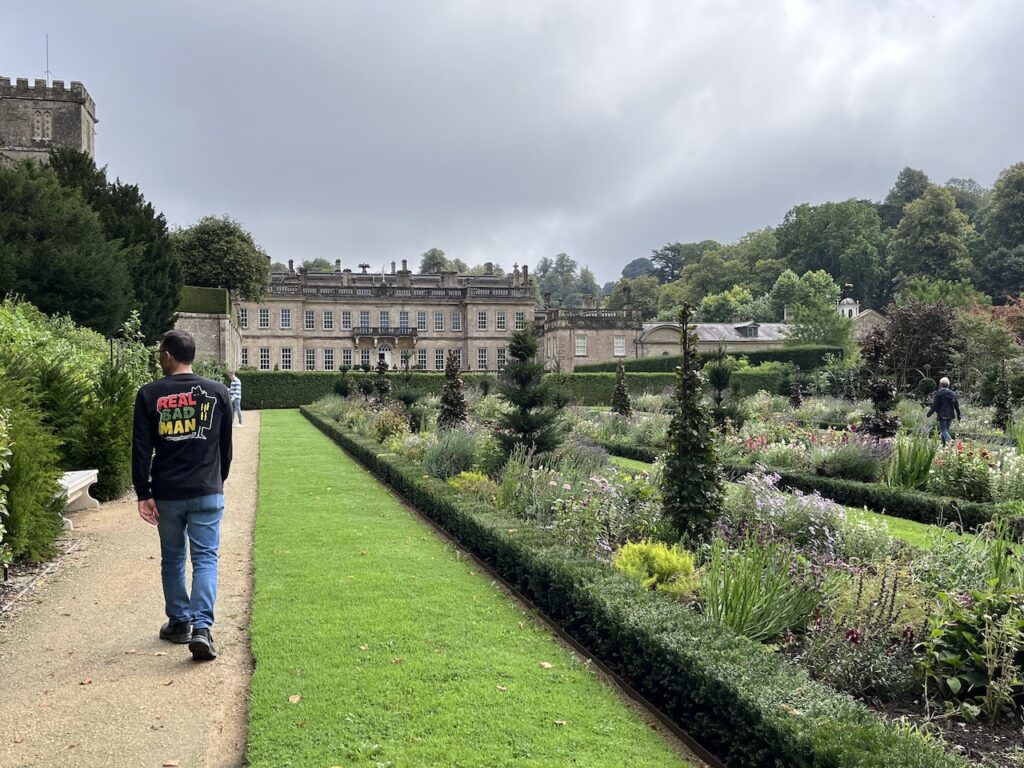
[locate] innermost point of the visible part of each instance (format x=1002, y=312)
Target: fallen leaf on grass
x=546, y=665
x=294, y=698
x=396, y=661
x=501, y=688
x=364, y=647
x=559, y=722
x=170, y=764
x=87, y=681
x=167, y=682
x=18, y=739
x=362, y=553
x=160, y=653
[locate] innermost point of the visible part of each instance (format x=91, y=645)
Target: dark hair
x=180, y=345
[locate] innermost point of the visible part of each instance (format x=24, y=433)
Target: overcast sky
x=507, y=131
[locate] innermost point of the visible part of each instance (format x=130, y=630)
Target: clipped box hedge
x=770, y=377
x=290, y=389
x=737, y=698
x=807, y=356
x=207, y=301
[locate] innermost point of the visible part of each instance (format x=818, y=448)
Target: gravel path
x=84, y=680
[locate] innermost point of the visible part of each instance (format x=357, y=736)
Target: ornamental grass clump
x=911, y=463
x=691, y=484
x=453, y=453
x=761, y=590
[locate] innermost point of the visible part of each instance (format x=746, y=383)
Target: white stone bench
x=76, y=491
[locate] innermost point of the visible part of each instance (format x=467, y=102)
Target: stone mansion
x=320, y=321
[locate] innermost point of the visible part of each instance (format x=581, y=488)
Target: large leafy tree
x=319, y=264
x=910, y=185
x=722, y=307
x=55, y=253
x=1001, y=264
x=960, y=295
x=643, y=296
x=691, y=483
x=126, y=216
x=563, y=278
x=816, y=287
x=970, y=196
x=919, y=339
x=638, y=268
x=931, y=240
x=844, y=239
x=670, y=259
x=217, y=252
x=434, y=261
x=818, y=322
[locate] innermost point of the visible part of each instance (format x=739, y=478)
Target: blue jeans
x=236, y=409
x=944, y=430
x=196, y=521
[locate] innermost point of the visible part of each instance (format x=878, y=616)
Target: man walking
x=236, y=397
x=946, y=405
x=181, y=454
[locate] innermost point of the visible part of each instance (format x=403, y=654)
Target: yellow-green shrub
x=475, y=484
x=658, y=566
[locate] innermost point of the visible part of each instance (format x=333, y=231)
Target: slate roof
x=728, y=332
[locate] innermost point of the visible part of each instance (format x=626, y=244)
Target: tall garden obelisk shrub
x=453, y=400
x=1002, y=404
x=691, y=484
x=620, y=397
x=532, y=421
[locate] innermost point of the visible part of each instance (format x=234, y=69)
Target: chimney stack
x=291, y=265
x=337, y=265
x=489, y=268
x=526, y=276
x=392, y=267
x=405, y=265
x=627, y=298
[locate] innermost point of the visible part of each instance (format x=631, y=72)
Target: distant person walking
x=945, y=405
x=181, y=454
x=236, y=397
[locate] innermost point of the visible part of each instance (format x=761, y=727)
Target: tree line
x=73, y=242
x=957, y=241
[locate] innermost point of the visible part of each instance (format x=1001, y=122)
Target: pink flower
x=854, y=636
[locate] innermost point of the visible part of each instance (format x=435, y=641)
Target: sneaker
x=176, y=632
x=201, y=645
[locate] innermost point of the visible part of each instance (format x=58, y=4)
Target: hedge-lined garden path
x=378, y=644
x=84, y=680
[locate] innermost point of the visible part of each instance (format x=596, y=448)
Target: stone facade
x=321, y=321
x=217, y=338
x=571, y=337
x=35, y=119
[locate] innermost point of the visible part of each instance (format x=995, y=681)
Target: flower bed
x=744, y=702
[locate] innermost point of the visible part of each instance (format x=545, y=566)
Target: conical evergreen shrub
x=532, y=421
x=691, y=483
x=621, y=403
x=453, y=399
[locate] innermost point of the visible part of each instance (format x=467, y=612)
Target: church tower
x=35, y=119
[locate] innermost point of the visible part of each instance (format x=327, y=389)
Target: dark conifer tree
x=533, y=419
x=453, y=400
x=381, y=383
x=621, y=403
x=691, y=484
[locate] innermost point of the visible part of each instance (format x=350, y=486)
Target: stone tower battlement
x=37, y=118
x=40, y=90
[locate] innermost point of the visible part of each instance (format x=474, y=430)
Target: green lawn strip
x=917, y=534
x=630, y=464
x=396, y=645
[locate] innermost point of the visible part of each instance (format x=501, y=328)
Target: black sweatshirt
x=186, y=420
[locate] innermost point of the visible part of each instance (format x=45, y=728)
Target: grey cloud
x=511, y=131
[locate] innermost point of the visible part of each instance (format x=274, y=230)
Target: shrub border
x=918, y=506
x=739, y=699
